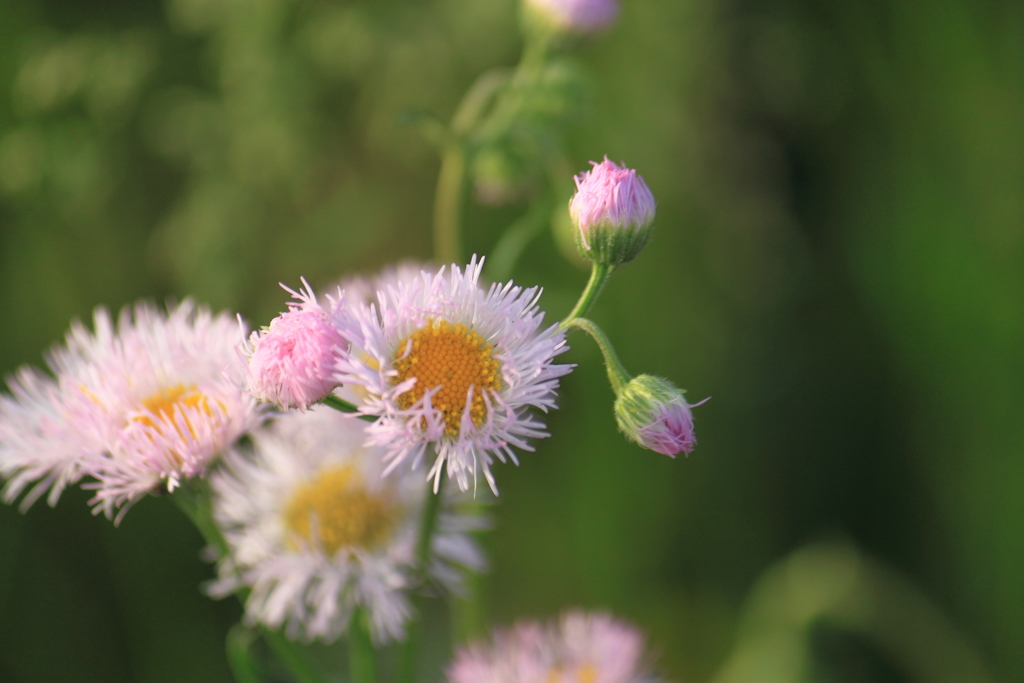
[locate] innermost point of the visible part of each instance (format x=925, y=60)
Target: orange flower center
x=163, y=403
x=584, y=674
x=451, y=359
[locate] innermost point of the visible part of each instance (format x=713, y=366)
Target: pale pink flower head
x=579, y=648
x=451, y=369
x=652, y=412
x=613, y=213
x=575, y=16
x=150, y=401
x=291, y=362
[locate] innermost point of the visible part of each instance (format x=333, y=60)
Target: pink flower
x=580, y=648
x=613, y=211
x=652, y=412
x=581, y=16
x=451, y=370
x=291, y=362
x=147, y=401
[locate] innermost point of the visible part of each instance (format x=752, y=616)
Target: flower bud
x=573, y=16
x=652, y=412
x=613, y=213
x=291, y=362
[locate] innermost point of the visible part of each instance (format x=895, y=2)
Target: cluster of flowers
x=317, y=515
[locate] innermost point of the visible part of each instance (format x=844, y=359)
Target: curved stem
x=836, y=584
x=507, y=108
x=478, y=98
x=510, y=246
x=448, y=206
x=617, y=374
x=599, y=274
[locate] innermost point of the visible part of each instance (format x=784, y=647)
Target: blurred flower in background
x=578, y=648
x=315, y=532
x=582, y=16
x=145, y=404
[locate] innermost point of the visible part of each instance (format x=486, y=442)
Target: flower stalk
x=451, y=186
x=360, y=650
x=599, y=276
x=617, y=374
x=428, y=523
x=194, y=500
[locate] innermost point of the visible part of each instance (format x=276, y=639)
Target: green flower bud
x=652, y=412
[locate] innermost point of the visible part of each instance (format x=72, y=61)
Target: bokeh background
x=839, y=263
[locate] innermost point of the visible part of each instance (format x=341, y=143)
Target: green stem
x=478, y=98
x=505, y=90
x=469, y=612
x=617, y=374
x=343, y=406
x=239, y=645
x=599, y=274
x=428, y=524
x=506, y=109
x=292, y=657
x=511, y=245
x=193, y=498
x=360, y=650
x=448, y=200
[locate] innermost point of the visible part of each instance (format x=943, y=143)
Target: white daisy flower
x=147, y=403
x=315, y=531
x=446, y=363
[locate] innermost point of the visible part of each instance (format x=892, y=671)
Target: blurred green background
x=839, y=262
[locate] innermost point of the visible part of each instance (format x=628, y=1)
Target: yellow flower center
x=450, y=358
x=335, y=510
x=163, y=403
x=584, y=674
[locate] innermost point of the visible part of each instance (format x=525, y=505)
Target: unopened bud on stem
x=613, y=213
x=573, y=16
x=652, y=412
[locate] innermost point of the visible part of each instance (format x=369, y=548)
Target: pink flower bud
x=613, y=212
x=291, y=362
x=578, y=16
x=652, y=412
